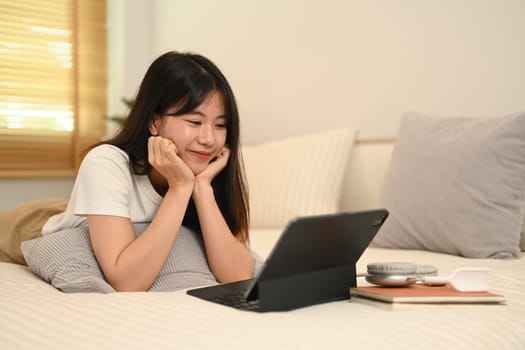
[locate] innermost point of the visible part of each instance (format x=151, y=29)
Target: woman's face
x=199, y=135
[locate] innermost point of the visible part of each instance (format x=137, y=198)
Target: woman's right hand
x=162, y=155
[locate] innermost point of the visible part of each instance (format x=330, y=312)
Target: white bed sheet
x=35, y=315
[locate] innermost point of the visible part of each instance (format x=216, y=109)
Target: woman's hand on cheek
x=216, y=166
x=162, y=155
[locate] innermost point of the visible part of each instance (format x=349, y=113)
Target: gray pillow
x=66, y=260
x=522, y=242
x=456, y=185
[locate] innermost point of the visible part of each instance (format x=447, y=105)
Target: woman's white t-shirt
x=105, y=185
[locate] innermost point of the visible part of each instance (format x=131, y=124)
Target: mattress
x=35, y=315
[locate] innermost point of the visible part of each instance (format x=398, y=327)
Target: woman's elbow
x=127, y=284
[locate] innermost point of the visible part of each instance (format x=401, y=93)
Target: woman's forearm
x=229, y=258
x=135, y=264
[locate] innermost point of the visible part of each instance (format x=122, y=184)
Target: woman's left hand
x=215, y=167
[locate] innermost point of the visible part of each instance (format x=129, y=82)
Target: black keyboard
x=237, y=300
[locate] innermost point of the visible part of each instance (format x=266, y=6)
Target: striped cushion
x=66, y=260
x=298, y=176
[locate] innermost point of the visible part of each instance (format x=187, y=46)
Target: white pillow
x=297, y=176
x=456, y=185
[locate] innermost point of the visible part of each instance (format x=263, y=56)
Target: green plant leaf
x=121, y=119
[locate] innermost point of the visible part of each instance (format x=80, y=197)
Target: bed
x=34, y=314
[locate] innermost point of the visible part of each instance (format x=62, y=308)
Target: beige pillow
x=456, y=185
x=25, y=222
x=297, y=176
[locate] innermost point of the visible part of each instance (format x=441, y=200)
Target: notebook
x=312, y=262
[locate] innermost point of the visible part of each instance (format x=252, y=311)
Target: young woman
x=174, y=163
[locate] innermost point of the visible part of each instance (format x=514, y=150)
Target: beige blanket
x=37, y=316
x=23, y=223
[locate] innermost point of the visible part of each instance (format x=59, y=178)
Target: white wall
x=130, y=50
x=17, y=191
x=303, y=65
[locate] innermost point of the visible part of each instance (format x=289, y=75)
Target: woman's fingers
x=161, y=151
x=162, y=155
x=216, y=166
x=223, y=156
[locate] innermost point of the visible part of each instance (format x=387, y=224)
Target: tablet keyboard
x=237, y=300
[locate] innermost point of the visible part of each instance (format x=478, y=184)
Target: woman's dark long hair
x=186, y=80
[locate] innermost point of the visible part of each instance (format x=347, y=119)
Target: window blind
x=53, y=84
